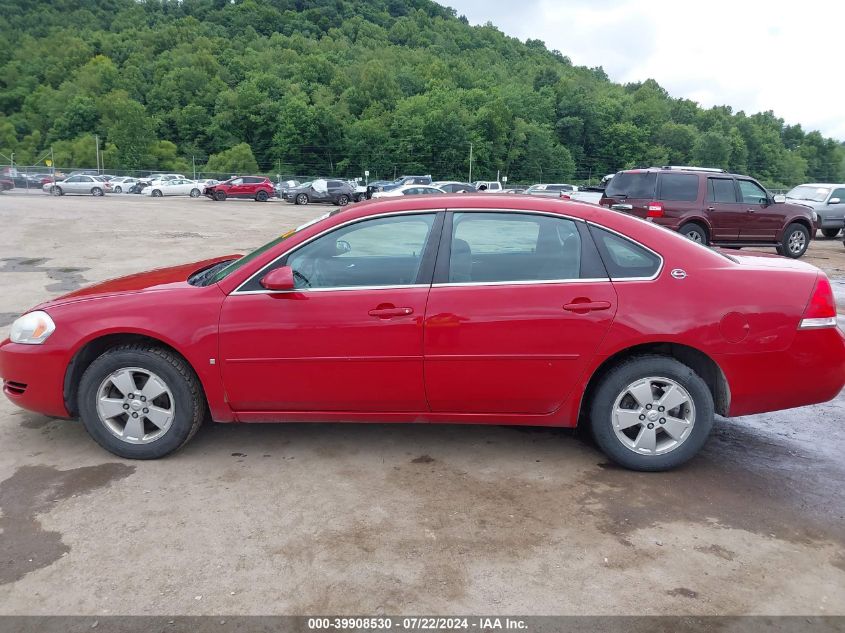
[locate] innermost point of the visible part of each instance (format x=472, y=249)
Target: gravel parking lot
x=372, y=519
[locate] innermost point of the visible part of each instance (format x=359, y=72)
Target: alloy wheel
x=653, y=416
x=135, y=405
x=797, y=242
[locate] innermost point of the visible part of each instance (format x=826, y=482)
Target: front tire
x=651, y=413
x=56, y=191
x=830, y=233
x=195, y=193
x=342, y=200
x=156, y=193
x=220, y=196
x=694, y=232
x=302, y=199
x=118, y=189
x=796, y=240
x=140, y=402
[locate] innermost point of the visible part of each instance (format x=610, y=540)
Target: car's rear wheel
x=695, y=232
x=118, y=189
x=796, y=240
x=55, y=190
x=830, y=233
x=302, y=199
x=342, y=200
x=651, y=413
x=140, y=402
x=261, y=196
x=195, y=193
x=220, y=196
x=96, y=191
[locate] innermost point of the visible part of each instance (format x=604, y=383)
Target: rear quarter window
x=678, y=187
x=631, y=185
x=623, y=258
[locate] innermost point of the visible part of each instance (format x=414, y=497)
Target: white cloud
x=750, y=55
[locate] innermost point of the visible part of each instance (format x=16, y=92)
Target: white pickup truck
x=591, y=194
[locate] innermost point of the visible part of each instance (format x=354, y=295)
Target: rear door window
x=721, y=190
x=632, y=185
x=678, y=187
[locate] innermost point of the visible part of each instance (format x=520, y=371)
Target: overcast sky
x=752, y=55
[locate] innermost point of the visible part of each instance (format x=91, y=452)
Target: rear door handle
x=583, y=307
x=389, y=312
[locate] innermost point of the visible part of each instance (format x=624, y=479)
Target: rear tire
x=694, y=232
x=620, y=422
x=96, y=191
x=830, y=233
x=796, y=240
x=55, y=190
x=342, y=200
x=183, y=399
x=261, y=196
x=118, y=189
x=156, y=193
x=220, y=196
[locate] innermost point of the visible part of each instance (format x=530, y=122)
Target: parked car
x=711, y=206
x=359, y=191
x=453, y=186
x=143, y=360
x=6, y=184
x=338, y=192
x=122, y=184
x=94, y=185
x=406, y=180
x=157, y=177
x=827, y=200
x=488, y=186
x=257, y=188
x=409, y=190
x=517, y=190
x=550, y=191
x=283, y=186
x=175, y=187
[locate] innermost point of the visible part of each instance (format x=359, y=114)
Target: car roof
x=681, y=170
x=821, y=184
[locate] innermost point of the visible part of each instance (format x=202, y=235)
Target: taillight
x=565, y=196
x=655, y=210
x=821, y=310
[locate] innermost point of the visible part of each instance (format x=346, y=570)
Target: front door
x=763, y=219
x=349, y=337
x=520, y=307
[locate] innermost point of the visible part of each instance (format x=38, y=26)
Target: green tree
x=712, y=149
x=235, y=160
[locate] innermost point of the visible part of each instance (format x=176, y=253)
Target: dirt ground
x=388, y=519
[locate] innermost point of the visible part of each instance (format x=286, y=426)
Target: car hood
x=804, y=203
x=158, y=279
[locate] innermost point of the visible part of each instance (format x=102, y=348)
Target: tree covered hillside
x=333, y=87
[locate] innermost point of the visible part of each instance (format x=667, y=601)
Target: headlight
x=815, y=217
x=33, y=328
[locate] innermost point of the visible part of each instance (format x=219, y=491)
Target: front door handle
x=388, y=312
x=750, y=210
x=583, y=307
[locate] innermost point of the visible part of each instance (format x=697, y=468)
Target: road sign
x=367, y=173
x=48, y=162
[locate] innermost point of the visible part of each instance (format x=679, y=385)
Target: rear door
x=519, y=305
x=763, y=219
x=724, y=210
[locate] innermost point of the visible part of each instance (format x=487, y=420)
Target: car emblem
x=679, y=273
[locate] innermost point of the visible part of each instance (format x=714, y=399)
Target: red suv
x=712, y=206
x=256, y=187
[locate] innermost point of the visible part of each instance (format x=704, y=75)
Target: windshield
x=234, y=265
x=812, y=194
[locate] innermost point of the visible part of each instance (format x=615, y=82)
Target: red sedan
x=470, y=309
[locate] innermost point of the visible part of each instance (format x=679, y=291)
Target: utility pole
x=97, y=151
x=470, y=164
x=194, y=165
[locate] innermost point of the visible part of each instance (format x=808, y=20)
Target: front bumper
x=33, y=377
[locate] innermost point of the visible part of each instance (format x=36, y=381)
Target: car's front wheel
x=220, y=196
x=156, y=193
x=302, y=199
x=195, y=193
x=55, y=190
x=342, y=200
x=796, y=240
x=140, y=402
x=651, y=413
x=118, y=189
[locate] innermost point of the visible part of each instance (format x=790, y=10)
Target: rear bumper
x=33, y=377
x=810, y=371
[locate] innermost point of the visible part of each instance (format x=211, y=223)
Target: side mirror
x=779, y=199
x=279, y=279
x=834, y=201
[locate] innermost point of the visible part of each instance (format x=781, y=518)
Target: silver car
x=93, y=185
x=827, y=200
x=550, y=191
